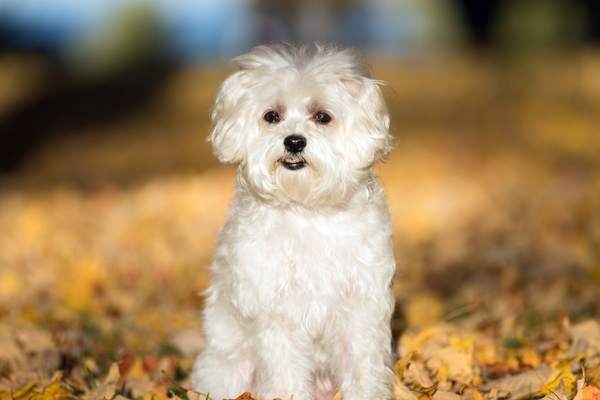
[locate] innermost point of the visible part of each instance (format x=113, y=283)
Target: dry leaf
x=445, y=352
x=585, y=339
x=521, y=385
x=54, y=391
x=556, y=395
x=590, y=393
x=472, y=394
x=593, y=375
x=530, y=358
x=108, y=388
x=401, y=392
x=416, y=374
x=22, y=393
x=452, y=360
x=401, y=365
x=445, y=395
x=561, y=377
x=245, y=396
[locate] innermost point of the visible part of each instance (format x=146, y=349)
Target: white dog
x=300, y=298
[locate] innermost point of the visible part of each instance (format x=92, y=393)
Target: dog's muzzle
x=294, y=144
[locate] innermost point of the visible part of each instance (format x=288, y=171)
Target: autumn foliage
x=494, y=190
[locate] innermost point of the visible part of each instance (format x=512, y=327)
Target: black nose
x=294, y=143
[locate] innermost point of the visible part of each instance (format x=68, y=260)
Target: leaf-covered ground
x=494, y=189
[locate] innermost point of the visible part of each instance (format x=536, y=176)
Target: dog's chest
x=304, y=263
x=308, y=255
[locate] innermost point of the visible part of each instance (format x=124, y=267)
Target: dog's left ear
x=374, y=119
x=227, y=133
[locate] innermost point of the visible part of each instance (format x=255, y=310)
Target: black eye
x=322, y=117
x=271, y=117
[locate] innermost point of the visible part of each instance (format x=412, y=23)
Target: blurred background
x=111, y=199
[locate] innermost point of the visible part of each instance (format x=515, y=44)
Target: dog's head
x=304, y=124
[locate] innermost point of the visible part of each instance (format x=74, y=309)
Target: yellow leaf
x=401, y=364
x=464, y=344
x=414, y=344
x=530, y=357
x=472, y=394
x=561, y=375
x=54, y=391
x=442, y=372
x=21, y=393
x=137, y=370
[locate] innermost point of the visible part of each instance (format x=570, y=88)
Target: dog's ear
x=230, y=114
x=374, y=118
x=228, y=121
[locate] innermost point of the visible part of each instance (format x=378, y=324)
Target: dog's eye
x=322, y=117
x=272, y=117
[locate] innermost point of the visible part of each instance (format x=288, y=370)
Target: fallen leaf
x=452, y=360
x=21, y=393
x=593, y=375
x=416, y=374
x=585, y=338
x=401, y=392
x=472, y=394
x=245, y=396
x=54, y=391
x=401, y=365
x=445, y=395
x=530, y=358
x=560, y=377
x=521, y=385
x=108, y=388
x=591, y=393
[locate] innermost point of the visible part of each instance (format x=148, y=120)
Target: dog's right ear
x=228, y=121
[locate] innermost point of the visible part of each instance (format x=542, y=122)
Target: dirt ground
x=494, y=191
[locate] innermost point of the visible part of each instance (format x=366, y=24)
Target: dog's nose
x=294, y=143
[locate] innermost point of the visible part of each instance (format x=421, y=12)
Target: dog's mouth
x=293, y=164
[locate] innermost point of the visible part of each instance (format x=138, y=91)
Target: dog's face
x=304, y=126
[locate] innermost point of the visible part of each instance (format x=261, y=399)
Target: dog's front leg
x=364, y=357
x=225, y=368
x=284, y=368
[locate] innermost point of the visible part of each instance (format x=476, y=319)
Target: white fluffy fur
x=300, y=297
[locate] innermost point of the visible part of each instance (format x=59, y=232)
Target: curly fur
x=300, y=297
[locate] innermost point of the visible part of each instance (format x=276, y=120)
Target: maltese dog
x=300, y=299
